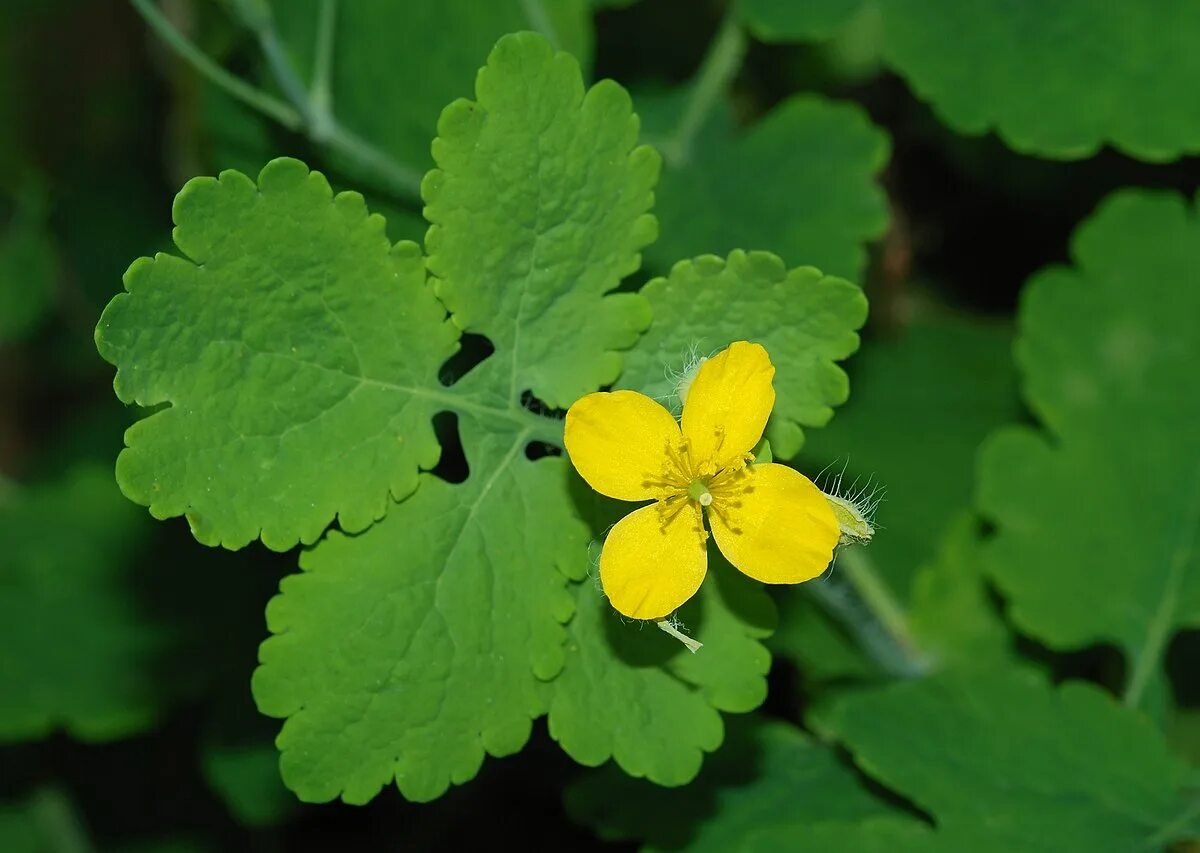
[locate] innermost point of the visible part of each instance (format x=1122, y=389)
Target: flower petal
x=774, y=525
x=727, y=405
x=654, y=559
x=619, y=442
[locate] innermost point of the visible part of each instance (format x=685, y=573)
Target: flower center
x=698, y=491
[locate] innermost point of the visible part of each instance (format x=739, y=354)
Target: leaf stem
x=540, y=21
x=859, y=598
x=305, y=113
x=320, y=94
x=59, y=823
x=236, y=87
x=720, y=65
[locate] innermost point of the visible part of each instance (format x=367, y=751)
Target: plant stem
x=321, y=91
x=236, y=87
x=859, y=598
x=305, y=113
x=720, y=65
x=540, y=21
x=59, y=823
x=403, y=181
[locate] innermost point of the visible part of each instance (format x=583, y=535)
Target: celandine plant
x=291, y=354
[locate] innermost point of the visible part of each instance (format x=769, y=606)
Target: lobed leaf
x=412, y=650
x=1097, y=513
x=1055, y=79
x=541, y=186
x=800, y=182
x=806, y=320
x=1003, y=761
x=295, y=350
x=637, y=696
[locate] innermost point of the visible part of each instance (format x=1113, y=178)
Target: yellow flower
x=769, y=521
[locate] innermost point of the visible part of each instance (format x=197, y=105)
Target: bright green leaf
x=1097, y=515
x=1057, y=79
x=412, y=650
x=1005, y=762
x=806, y=321
x=789, y=20
x=291, y=402
x=540, y=186
x=800, y=182
x=768, y=776
x=297, y=350
x=76, y=649
x=634, y=694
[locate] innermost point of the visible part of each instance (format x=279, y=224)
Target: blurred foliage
x=891, y=145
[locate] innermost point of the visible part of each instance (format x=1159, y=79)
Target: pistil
x=698, y=491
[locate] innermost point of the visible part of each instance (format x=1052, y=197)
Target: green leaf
x=297, y=351
x=1005, y=762
x=1097, y=514
x=632, y=693
x=396, y=65
x=246, y=777
x=787, y=20
x=1055, y=79
x=806, y=321
x=539, y=185
x=769, y=775
x=951, y=615
x=18, y=829
x=799, y=182
x=76, y=649
x=949, y=377
x=411, y=650
x=28, y=269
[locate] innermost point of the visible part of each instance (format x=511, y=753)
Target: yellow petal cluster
x=769, y=521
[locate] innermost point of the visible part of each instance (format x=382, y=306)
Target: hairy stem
x=858, y=598
x=305, y=113
x=251, y=96
x=721, y=64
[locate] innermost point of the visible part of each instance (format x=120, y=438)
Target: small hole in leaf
x=473, y=350
x=533, y=404
x=452, y=467
x=536, y=450
x=1182, y=664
